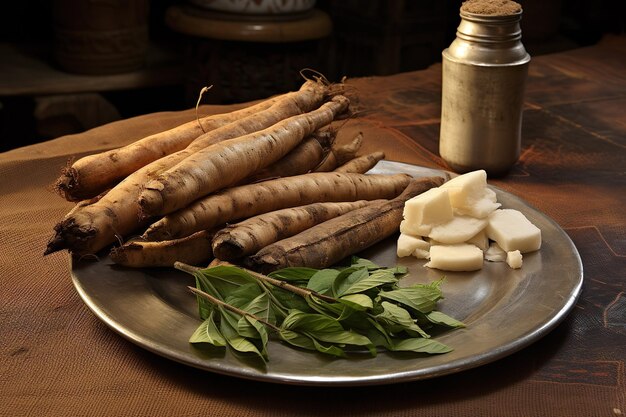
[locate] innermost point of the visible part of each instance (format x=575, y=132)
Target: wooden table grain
x=58, y=359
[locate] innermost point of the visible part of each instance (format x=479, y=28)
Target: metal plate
x=504, y=310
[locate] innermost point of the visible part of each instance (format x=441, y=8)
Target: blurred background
x=70, y=65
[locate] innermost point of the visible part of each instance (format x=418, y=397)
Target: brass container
x=484, y=73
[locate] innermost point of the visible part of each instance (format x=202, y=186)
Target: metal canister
x=484, y=73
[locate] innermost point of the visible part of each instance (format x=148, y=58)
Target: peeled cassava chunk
x=480, y=239
x=495, y=253
x=513, y=231
x=458, y=230
x=460, y=224
x=407, y=245
x=426, y=210
x=459, y=257
x=514, y=259
x=470, y=196
x=422, y=253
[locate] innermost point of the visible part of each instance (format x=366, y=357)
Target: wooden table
x=58, y=359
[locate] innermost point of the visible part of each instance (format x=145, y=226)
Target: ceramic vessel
x=256, y=7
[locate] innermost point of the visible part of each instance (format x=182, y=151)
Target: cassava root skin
x=340, y=154
x=253, y=234
x=302, y=159
x=346, y=152
x=249, y=200
x=192, y=250
x=328, y=243
x=362, y=164
x=92, y=174
x=229, y=162
x=92, y=227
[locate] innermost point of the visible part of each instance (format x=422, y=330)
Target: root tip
x=55, y=244
x=67, y=183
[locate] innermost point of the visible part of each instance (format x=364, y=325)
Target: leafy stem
x=326, y=310
x=303, y=292
x=230, y=307
x=186, y=268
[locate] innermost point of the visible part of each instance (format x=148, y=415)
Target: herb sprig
x=333, y=311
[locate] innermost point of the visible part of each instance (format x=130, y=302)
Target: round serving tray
x=504, y=310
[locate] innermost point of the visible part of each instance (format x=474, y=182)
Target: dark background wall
x=582, y=21
x=370, y=37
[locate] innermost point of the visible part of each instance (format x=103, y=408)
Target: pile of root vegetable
x=265, y=186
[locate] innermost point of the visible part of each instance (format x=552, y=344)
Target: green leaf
x=324, y=307
x=396, y=319
x=230, y=274
x=204, y=306
x=442, y=319
x=261, y=307
x=245, y=329
x=322, y=281
x=347, y=278
x=378, y=335
x=225, y=279
x=384, y=276
x=355, y=261
x=235, y=340
x=294, y=274
x=286, y=301
x=359, y=302
x=298, y=320
x=370, y=310
x=247, y=326
x=307, y=342
x=420, y=345
x=337, y=310
x=208, y=332
x=262, y=333
x=296, y=339
x=229, y=317
x=399, y=270
x=304, y=330
x=244, y=295
x=325, y=329
x=437, y=284
x=329, y=349
x=422, y=298
x=344, y=337
x=362, y=280
x=361, y=262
